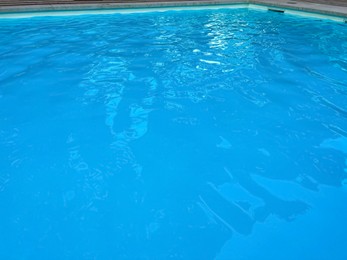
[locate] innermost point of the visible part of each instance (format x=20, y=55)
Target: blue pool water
x=214, y=134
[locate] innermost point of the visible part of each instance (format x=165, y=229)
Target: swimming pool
x=186, y=135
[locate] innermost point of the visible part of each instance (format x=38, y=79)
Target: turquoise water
x=215, y=134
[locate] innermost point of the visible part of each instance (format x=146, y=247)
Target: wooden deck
x=327, y=2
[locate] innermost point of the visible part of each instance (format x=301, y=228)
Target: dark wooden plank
x=50, y=2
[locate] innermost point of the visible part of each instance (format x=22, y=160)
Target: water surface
x=178, y=135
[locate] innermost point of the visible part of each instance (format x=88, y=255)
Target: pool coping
x=320, y=9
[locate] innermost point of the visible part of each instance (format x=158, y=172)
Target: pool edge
x=334, y=13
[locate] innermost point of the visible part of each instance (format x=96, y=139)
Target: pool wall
x=335, y=13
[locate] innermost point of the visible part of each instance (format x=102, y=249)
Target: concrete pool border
x=320, y=11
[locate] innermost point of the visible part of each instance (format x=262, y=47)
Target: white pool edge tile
x=304, y=14
x=119, y=11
